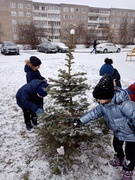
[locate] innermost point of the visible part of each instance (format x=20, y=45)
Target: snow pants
x=128, y=152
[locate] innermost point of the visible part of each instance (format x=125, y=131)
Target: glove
x=77, y=122
x=39, y=111
x=45, y=80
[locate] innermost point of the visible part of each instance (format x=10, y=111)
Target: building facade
x=56, y=19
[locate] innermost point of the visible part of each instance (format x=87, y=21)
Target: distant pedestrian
x=94, y=46
x=30, y=99
x=32, y=69
x=107, y=68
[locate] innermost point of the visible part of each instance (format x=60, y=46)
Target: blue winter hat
x=41, y=90
x=106, y=69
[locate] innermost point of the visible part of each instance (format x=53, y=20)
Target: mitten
x=45, y=80
x=77, y=122
x=39, y=111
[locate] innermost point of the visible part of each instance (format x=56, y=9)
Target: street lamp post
x=72, y=32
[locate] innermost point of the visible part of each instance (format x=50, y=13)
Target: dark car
x=61, y=47
x=46, y=48
x=9, y=47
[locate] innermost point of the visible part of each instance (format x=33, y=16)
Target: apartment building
x=56, y=19
x=13, y=12
x=119, y=17
x=98, y=22
x=48, y=17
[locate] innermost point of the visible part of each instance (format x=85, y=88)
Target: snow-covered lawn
x=19, y=159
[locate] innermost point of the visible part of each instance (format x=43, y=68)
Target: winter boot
x=29, y=126
x=34, y=121
x=116, y=161
x=127, y=175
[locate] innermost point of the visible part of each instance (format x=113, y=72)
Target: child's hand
x=39, y=111
x=77, y=122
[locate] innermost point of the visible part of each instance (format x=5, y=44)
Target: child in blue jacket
x=119, y=112
x=30, y=99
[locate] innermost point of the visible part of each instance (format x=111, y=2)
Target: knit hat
x=35, y=61
x=105, y=88
x=41, y=90
x=131, y=91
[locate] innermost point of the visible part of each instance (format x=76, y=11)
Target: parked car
x=61, y=47
x=9, y=47
x=46, y=48
x=107, y=47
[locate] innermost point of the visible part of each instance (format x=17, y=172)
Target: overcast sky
x=125, y=4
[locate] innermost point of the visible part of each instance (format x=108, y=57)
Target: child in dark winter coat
x=107, y=68
x=119, y=112
x=30, y=99
x=32, y=69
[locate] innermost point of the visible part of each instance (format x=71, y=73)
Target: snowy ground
x=18, y=157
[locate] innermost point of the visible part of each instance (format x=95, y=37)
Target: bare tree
x=30, y=34
x=124, y=32
x=1, y=32
x=111, y=35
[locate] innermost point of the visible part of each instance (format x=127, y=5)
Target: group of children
x=115, y=104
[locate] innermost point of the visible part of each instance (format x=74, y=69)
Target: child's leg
x=129, y=163
x=27, y=118
x=119, y=156
x=118, y=147
x=34, y=118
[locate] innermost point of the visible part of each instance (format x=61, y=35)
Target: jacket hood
x=27, y=68
x=36, y=83
x=120, y=96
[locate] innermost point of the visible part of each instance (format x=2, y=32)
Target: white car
x=107, y=47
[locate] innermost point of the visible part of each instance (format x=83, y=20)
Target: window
x=28, y=6
x=36, y=7
x=65, y=16
x=117, y=26
x=15, y=36
x=13, y=13
x=65, y=9
x=65, y=24
x=71, y=9
x=14, y=21
x=15, y=29
x=43, y=8
x=20, y=6
x=83, y=10
x=77, y=10
x=28, y=14
x=20, y=14
x=21, y=22
x=12, y=5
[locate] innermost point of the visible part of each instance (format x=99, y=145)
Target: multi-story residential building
x=48, y=17
x=12, y=13
x=55, y=19
x=121, y=17
x=98, y=21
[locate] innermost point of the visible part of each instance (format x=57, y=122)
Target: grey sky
x=125, y=4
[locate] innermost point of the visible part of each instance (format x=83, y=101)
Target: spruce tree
x=68, y=92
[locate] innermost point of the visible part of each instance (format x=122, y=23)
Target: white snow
x=18, y=157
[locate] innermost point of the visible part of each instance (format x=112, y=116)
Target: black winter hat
x=35, y=61
x=105, y=88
